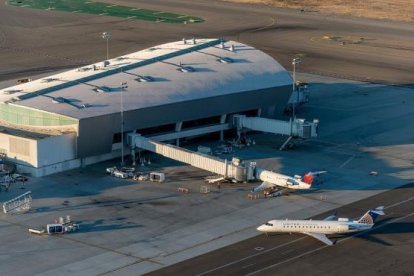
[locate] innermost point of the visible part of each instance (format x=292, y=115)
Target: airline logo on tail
x=310, y=176
x=370, y=216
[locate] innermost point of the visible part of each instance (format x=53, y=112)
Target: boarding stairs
x=19, y=204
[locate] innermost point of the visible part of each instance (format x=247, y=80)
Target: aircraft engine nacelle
x=342, y=228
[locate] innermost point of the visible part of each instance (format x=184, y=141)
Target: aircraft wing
x=265, y=185
x=320, y=237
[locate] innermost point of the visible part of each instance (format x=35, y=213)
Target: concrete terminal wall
x=30, y=154
x=19, y=149
x=56, y=149
x=96, y=134
x=66, y=165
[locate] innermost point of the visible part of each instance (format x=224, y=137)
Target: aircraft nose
x=260, y=228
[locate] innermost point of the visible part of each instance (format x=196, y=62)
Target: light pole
x=124, y=85
x=294, y=62
x=107, y=36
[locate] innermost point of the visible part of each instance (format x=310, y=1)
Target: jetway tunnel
x=236, y=169
x=294, y=128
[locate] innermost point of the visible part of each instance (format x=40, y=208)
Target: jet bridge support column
x=222, y=121
x=236, y=169
x=178, y=127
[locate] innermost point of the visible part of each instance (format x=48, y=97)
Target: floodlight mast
x=107, y=36
x=124, y=85
x=294, y=62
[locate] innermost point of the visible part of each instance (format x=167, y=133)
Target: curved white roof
x=96, y=90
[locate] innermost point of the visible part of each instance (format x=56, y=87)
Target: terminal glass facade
x=22, y=116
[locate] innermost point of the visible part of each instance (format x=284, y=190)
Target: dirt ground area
x=398, y=10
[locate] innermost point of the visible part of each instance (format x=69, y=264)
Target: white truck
x=120, y=174
x=63, y=226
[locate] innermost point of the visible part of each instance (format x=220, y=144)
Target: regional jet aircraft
x=319, y=228
x=274, y=180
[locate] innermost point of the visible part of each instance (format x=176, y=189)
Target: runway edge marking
x=343, y=240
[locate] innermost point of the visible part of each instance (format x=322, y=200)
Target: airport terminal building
x=76, y=118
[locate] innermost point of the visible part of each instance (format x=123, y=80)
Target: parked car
x=111, y=170
x=120, y=174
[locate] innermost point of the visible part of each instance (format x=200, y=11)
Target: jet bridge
x=294, y=128
x=235, y=170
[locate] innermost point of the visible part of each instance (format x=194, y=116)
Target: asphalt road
x=34, y=42
x=387, y=249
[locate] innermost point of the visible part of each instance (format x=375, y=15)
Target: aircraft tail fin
x=310, y=176
x=371, y=215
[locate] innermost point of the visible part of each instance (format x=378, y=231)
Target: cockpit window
x=268, y=224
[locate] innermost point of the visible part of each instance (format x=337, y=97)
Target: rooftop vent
x=85, y=105
x=12, y=100
x=144, y=79
x=49, y=80
x=20, y=81
x=84, y=69
x=59, y=100
x=105, y=63
x=225, y=60
x=184, y=41
x=186, y=69
x=102, y=89
x=11, y=91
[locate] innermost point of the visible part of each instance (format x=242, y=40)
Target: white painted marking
x=249, y=257
x=399, y=203
x=288, y=260
x=347, y=161
x=373, y=228
x=306, y=253
x=248, y=265
x=340, y=241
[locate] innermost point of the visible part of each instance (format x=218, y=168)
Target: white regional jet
x=272, y=180
x=319, y=228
